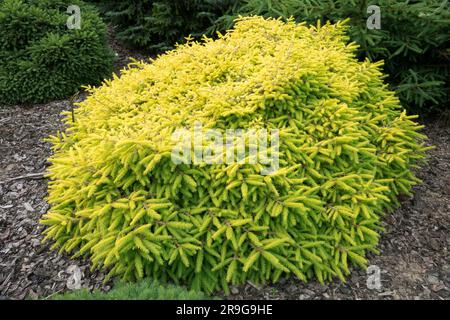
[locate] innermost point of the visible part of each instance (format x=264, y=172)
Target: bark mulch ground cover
x=415, y=249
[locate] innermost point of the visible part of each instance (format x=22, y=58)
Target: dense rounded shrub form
x=41, y=59
x=346, y=150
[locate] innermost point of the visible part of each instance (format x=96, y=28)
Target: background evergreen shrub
x=41, y=59
x=413, y=39
x=158, y=25
x=346, y=151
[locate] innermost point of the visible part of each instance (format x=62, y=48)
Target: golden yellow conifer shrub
x=346, y=150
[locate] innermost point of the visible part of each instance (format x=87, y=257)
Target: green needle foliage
x=413, y=40
x=142, y=290
x=346, y=151
x=158, y=25
x=41, y=59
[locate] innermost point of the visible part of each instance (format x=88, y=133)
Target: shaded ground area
x=26, y=266
x=414, y=260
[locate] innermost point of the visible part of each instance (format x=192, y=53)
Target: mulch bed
x=414, y=260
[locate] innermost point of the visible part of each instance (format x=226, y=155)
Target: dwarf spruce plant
x=41, y=58
x=144, y=289
x=346, y=151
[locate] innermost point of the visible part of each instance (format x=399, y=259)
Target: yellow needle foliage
x=346, y=151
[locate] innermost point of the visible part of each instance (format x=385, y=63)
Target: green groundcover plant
x=142, y=290
x=41, y=59
x=346, y=151
x=413, y=39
